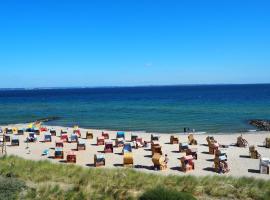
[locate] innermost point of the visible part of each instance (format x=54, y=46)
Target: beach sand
x=239, y=162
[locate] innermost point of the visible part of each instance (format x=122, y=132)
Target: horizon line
x=129, y=86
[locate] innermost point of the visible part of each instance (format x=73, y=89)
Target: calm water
x=223, y=108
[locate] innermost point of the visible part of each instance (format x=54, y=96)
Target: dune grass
x=45, y=180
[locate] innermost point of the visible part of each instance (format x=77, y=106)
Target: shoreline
x=239, y=163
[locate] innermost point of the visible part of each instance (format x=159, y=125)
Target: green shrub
x=161, y=193
x=10, y=188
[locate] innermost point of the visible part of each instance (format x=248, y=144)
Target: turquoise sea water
x=165, y=109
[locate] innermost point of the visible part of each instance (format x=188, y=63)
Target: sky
x=128, y=43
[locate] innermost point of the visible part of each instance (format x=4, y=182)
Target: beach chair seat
x=191, y=140
x=183, y=147
x=47, y=137
x=71, y=157
x=89, y=135
x=119, y=142
x=59, y=144
x=58, y=153
x=53, y=132
x=32, y=137
x=192, y=152
x=253, y=152
x=159, y=162
x=241, y=142
x=128, y=159
x=73, y=138
x=127, y=148
x=99, y=160
x=265, y=166
x=64, y=137
x=100, y=140
x=154, y=137
x=108, y=148
x=105, y=135
x=15, y=141
x=267, y=142
x=81, y=145
x=174, y=140
x=120, y=134
x=187, y=163
x=36, y=131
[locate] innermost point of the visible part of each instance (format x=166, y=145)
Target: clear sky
x=133, y=42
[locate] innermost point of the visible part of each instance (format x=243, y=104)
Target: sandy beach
x=238, y=158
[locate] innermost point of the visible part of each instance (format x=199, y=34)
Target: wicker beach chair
x=64, y=137
x=119, y=142
x=127, y=148
x=267, y=142
x=220, y=163
x=105, y=135
x=212, y=144
x=99, y=160
x=32, y=137
x=71, y=157
x=47, y=137
x=20, y=131
x=159, y=162
x=174, y=140
x=15, y=141
x=100, y=141
x=265, y=166
x=128, y=159
x=191, y=140
x=133, y=137
x=154, y=137
x=73, y=138
x=120, y=134
x=59, y=144
x=183, y=146
x=156, y=149
x=81, y=145
x=241, y=142
x=139, y=143
x=53, y=132
x=89, y=135
x=254, y=154
x=108, y=148
x=58, y=153
x=187, y=163
x=192, y=152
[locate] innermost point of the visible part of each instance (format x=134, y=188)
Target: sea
x=161, y=109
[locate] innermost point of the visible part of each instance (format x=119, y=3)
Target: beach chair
x=120, y=134
x=108, y=148
x=174, y=140
x=47, y=137
x=7, y=138
x=154, y=137
x=265, y=166
x=71, y=157
x=32, y=137
x=119, y=142
x=58, y=153
x=192, y=152
x=212, y=144
x=241, y=142
x=191, y=140
x=36, y=131
x=158, y=161
x=99, y=160
x=20, y=132
x=267, y=142
x=14, y=130
x=154, y=143
x=139, y=143
x=73, y=138
x=133, y=137
x=59, y=144
x=64, y=137
x=81, y=145
x=183, y=147
x=8, y=131
x=253, y=152
x=156, y=149
x=63, y=131
x=100, y=141
x=187, y=163
x=128, y=159
x=43, y=129
x=45, y=152
x=15, y=141
x=89, y=135
x=127, y=148
x=221, y=164
x=53, y=132
x=105, y=135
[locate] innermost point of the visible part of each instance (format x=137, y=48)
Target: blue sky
x=122, y=43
